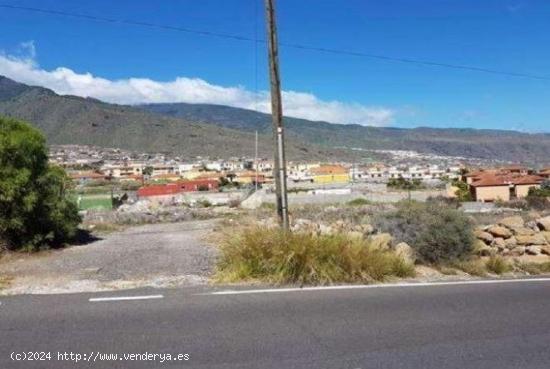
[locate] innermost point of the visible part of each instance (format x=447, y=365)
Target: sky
x=130, y=64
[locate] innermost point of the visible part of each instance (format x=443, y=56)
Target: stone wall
x=512, y=236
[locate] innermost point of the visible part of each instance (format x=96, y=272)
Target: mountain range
x=223, y=131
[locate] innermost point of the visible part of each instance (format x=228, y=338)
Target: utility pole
x=279, y=170
x=256, y=162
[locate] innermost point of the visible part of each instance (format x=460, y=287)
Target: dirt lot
x=151, y=255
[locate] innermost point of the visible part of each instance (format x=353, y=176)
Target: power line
x=284, y=44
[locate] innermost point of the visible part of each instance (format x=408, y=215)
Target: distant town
x=161, y=177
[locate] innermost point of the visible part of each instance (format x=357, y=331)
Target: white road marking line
x=368, y=286
x=125, y=298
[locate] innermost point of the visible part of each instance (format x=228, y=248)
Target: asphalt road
x=504, y=325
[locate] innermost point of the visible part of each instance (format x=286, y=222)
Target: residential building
x=330, y=174
x=170, y=190
x=503, y=186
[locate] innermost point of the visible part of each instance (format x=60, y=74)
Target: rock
x=381, y=241
x=523, y=231
x=518, y=251
x=505, y=252
x=406, y=252
x=533, y=250
x=499, y=243
x=546, y=234
x=544, y=223
x=532, y=225
x=545, y=249
x=512, y=222
x=499, y=231
x=511, y=242
x=484, y=236
x=536, y=239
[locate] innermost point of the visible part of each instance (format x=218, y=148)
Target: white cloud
x=64, y=81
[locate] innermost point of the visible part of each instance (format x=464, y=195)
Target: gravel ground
x=150, y=255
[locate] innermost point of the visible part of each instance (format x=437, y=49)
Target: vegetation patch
x=35, y=209
x=359, y=202
x=273, y=256
x=535, y=268
x=406, y=184
x=474, y=267
x=5, y=282
x=94, y=202
x=497, y=265
x=435, y=231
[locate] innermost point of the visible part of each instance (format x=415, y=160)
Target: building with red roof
x=503, y=186
x=173, y=189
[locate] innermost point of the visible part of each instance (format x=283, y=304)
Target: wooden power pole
x=279, y=170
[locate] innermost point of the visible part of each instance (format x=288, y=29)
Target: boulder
x=512, y=222
x=511, y=242
x=499, y=243
x=381, y=241
x=533, y=250
x=544, y=223
x=484, y=236
x=536, y=239
x=546, y=234
x=518, y=251
x=500, y=231
x=523, y=231
x=532, y=225
x=545, y=249
x=406, y=252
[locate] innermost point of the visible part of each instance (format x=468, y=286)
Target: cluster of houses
x=158, y=174
x=503, y=184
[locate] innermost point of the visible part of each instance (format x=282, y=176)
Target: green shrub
x=497, y=265
x=463, y=191
x=130, y=185
x=271, y=255
x=204, y=203
x=437, y=232
x=359, y=202
x=34, y=208
x=401, y=183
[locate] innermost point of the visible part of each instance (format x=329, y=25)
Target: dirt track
x=157, y=255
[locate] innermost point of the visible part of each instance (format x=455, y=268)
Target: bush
x=401, y=183
x=271, y=255
x=359, y=202
x=34, y=208
x=462, y=192
x=436, y=232
x=130, y=185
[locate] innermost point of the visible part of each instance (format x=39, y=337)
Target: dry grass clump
x=472, y=267
x=535, y=268
x=5, y=282
x=273, y=256
x=497, y=265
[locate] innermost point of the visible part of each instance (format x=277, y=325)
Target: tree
x=462, y=192
x=148, y=171
x=34, y=208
